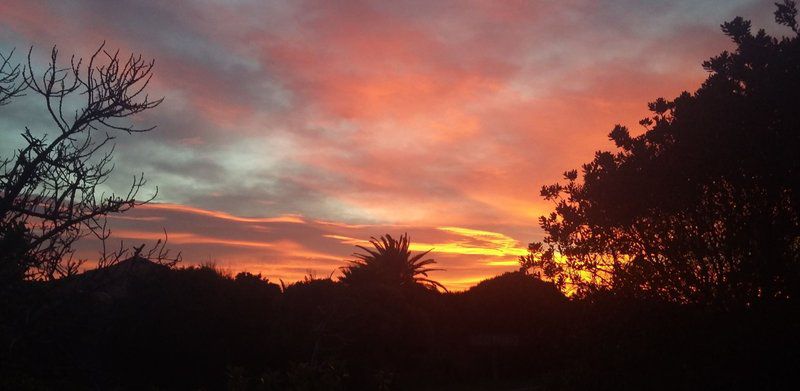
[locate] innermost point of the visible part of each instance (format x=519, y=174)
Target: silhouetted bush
x=704, y=206
x=197, y=328
x=140, y=325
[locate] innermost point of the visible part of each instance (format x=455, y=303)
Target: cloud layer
x=329, y=122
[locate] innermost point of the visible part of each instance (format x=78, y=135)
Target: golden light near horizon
x=399, y=194
x=292, y=131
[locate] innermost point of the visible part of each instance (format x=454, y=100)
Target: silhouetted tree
x=49, y=189
x=390, y=263
x=10, y=83
x=702, y=207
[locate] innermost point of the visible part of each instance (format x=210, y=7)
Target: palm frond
x=418, y=256
x=389, y=260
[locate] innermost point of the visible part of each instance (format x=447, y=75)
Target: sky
x=292, y=131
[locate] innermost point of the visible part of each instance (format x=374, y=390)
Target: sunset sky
x=291, y=131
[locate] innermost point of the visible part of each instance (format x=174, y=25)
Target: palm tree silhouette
x=391, y=263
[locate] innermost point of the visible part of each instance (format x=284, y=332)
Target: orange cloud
x=189, y=238
x=374, y=117
x=294, y=219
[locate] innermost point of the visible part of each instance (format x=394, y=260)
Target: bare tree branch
x=52, y=184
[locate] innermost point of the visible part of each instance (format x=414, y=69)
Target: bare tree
x=51, y=188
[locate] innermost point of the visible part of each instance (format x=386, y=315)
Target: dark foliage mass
x=139, y=325
x=681, y=248
x=704, y=206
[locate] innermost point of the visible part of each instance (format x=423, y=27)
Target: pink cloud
x=377, y=116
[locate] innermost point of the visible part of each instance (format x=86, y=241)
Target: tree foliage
x=703, y=206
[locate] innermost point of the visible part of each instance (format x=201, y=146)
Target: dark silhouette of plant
x=10, y=84
x=701, y=208
x=50, y=187
x=704, y=206
x=14, y=261
x=139, y=325
x=786, y=14
x=390, y=263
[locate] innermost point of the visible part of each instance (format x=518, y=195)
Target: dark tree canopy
x=702, y=207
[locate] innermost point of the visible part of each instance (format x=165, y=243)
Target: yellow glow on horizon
x=461, y=284
x=605, y=264
x=498, y=244
x=486, y=243
x=512, y=262
x=488, y=249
